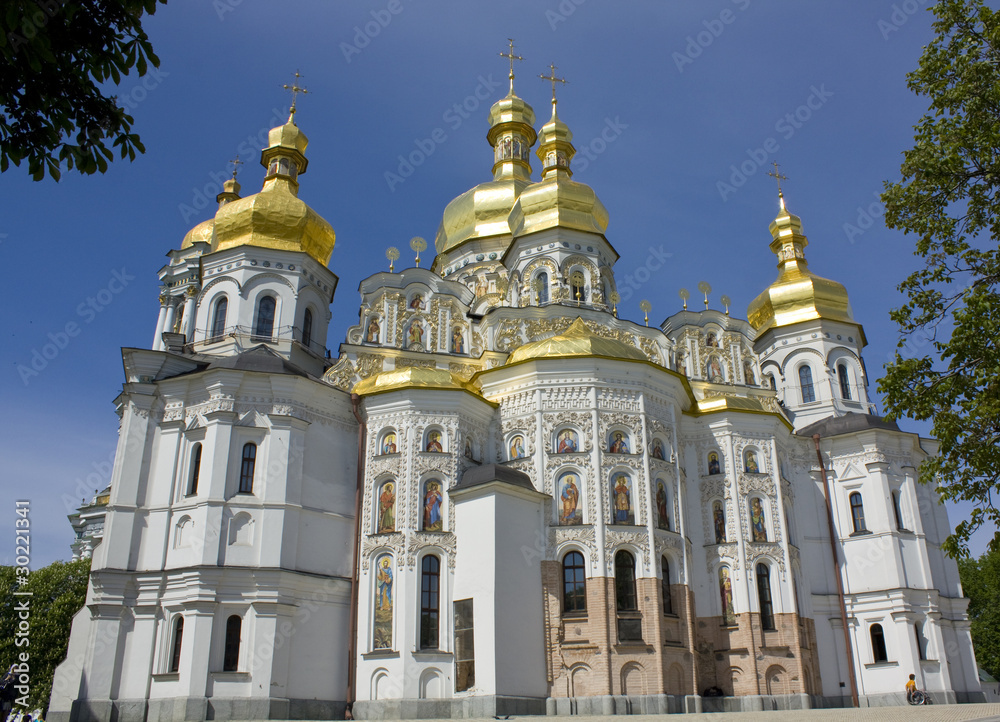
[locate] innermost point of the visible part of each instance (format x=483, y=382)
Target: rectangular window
x=429, y=594
x=896, y=511
x=465, y=646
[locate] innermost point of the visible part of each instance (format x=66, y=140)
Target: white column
x=189, y=318
x=168, y=324
x=160, y=323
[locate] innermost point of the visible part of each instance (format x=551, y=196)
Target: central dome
x=577, y=340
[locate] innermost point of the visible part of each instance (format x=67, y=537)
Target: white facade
x=397, y=529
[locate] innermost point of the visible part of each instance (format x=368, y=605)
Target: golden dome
x=275, y=217
x=201, y=233
x=557, y=200
x=482, y=211
x=577, y=340
x=412, y=377
x=798, y=295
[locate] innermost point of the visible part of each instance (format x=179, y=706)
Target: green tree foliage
x=57, y=55
x=981, y=584
x=950, y=322
x=57, y=593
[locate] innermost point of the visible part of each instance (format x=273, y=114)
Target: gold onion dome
x=275, y=217
x=557, y=200
x=201, y=233
x=410, y=378
x=482, y=211
x=577, y=340
x=798, y=295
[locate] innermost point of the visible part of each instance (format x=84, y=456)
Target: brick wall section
x=585, y=658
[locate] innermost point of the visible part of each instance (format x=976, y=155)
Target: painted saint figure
x=619, y=444
x=719, y=521
x=748, y=375
x=570, y=497
x=710, y=340
x=389, y=444
x=714, y=369
x=457, y=342
x=415, y=337
x=417, y=303
x=434, y=442
x=750, y=463
x=373, y=331
x=657, y=452
x=387, y=508
x=468, y=448
x=662, y=519
x=432, y=506
x=623, y=500
x=382, y=627
x=713, y=464
x=567, y=442
x=517, y=447
x=726, y=592
x=384, y=579
x=759, y=532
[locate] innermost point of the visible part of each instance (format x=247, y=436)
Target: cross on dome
x=295, y=90
x=551, y=77
x=510, y=56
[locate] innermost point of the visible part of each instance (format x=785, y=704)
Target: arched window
x=574, y=584
x=845, y=383
x=195, y=470
x=858, y=512
x=231, y=657
x=307, y=328
x=543, y=287
x=578, y=286
x=219, y=318
x=247, y=466
x=764, y=597
x=879, y=653
x=175, y=650
x=772, y=383
x=264, y=328
x=806, y=384
x=430, y=591
x=896, y=511
x=921, y=642
x=668, y=602
x=625, y=582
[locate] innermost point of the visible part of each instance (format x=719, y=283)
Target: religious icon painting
x=568, y=487
x=382, y=623
x=714, y=370
x=457, y=341
x=719, y=521
x=657, y=451
x=567, y=442
x=750, y=462
x=713, y=463
x=618, y=443
x=758, y=525
x=468, y=448
x=432, y=506
x=434, y=442
x=386, y=519
x=710, y=340
x=371, y=336
x=417, y=302
x=662, y=514
x=516, y=447
x=726, y=594
x=389, y=443
x=621, y=499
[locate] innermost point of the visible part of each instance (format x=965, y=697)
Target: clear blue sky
x=688, y=90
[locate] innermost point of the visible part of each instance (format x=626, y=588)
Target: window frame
x=806, y=383
x=194, y=469
x=845, y=382
x=764, y=599
x=218, y=328
x=258, y=328
x=176, y=642
x=430, y=603
x=231, y=647
x=246, y=477
x=307, y=324
x=668, y=601
x=857, y=504
x=880, y=651
x=579, y=582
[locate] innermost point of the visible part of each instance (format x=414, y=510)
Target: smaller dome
x=577, y=340
x=201, y=233
x=412, y=377
x=288, y=136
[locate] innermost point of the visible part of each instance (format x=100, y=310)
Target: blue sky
x=684, y=94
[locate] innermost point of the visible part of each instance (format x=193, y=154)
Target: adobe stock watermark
x=202, y=198
x=88, y=310
x=453, y=117
x=562, y=12
x=901, y=13
x=787, y=126
x=866, y=218
x=631, y=282
x=696, y=44
x=364, y=34
x=141, y=90
x=593, y=148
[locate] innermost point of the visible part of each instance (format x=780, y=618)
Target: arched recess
x=578, y=680
x=380, y=684
x=431, y=684
x=633, y=679
x=675, y=680
x=241, y=530
x=183, y=531
x=777, y=680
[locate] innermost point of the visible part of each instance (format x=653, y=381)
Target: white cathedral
x=498, y=497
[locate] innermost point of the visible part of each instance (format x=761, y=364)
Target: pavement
x=929, y=713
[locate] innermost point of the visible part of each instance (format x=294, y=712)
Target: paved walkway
x=929, y=713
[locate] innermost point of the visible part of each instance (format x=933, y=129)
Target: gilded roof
x=412, y=377
x=577, y=340
x=201, y=233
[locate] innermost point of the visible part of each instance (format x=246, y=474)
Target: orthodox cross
x=777, y=176
x=236, y=163
x=551, y=77
x=510, y=56
x=295, y=90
